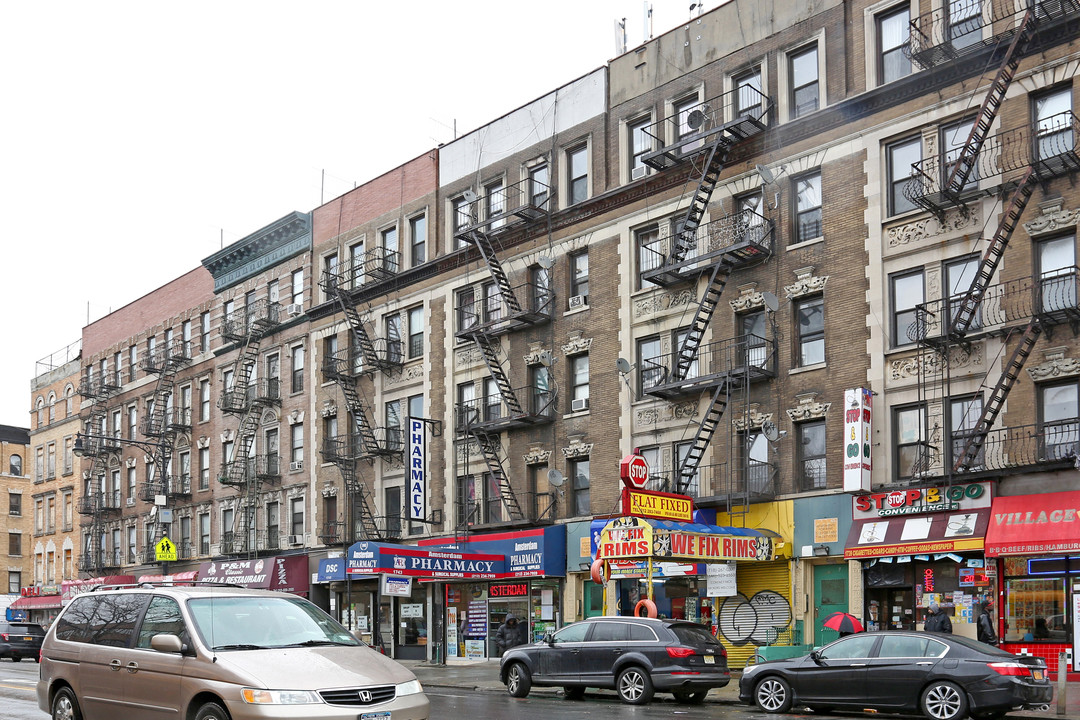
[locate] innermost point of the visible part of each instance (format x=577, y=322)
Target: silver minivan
x=215, y=652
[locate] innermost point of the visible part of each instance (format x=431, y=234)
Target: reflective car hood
x=315, y=668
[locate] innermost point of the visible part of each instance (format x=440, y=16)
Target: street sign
x=634, y=471
x=165, y=550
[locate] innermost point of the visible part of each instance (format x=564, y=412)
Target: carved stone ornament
x=536, y=350
x=203, y=442
x=330, y=491
x=148, y=459
x=1055, y=366
x=1054, y=218
x=296, y=417
x=296, y=491
x=577, y=344
x=805, y=284
x=329, y=409
x=911, y=366
x=928, y=228
x=669, y=411
x=577, y=448
x=467, y=356
x=808, y=408
x=749, y=299
x=752, y=420
x=537, y=455
x=228, y=435
x=130, y=462
x=412, y=372
x=662, y=301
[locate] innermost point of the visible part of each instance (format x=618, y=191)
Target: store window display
x=1036, y=598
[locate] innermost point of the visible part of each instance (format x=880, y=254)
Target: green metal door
x=830, y=595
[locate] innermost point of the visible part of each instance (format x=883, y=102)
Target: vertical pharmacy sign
x=858, y=404
x=417, y=469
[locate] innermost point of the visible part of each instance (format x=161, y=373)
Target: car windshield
x=258, y=622
x=694, y=635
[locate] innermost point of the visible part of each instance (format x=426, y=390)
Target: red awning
x=42, y=602
x=1027, y=524
x=174, y=577
x=954, y=531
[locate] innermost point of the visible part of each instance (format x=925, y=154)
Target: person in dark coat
x=985, y=625
x=938, y=620
x=510, y=634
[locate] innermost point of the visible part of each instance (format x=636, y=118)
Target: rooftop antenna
x=620, y=36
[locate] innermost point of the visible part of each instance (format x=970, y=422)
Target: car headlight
x=409, y=688
x=257, y=696
x=749, y=669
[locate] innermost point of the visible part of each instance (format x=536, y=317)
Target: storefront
x=39, y=605
x=820, y=572
x=921, y=546
x=1034, y=540
x=285, y=573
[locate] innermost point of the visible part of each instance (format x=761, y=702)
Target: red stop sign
x=634, y=471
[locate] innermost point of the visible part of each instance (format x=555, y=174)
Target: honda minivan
x=215, y=652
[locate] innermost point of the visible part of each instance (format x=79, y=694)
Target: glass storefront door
x=411, y=624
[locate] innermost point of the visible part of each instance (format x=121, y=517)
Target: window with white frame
x=901, y=156
x=893, y=36
x=418, y=239
x=640, y=144
x=495, y=204
x=907, y=291
x=579, y=382
x=577, y=174
x=416, y=331
x=810, y=328
x=749, y=99
x=805, y=86
x=649, y=252
x=909, y=440
x=539, y=186
x=808, y=206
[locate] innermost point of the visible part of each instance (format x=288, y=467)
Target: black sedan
x=944, y=677
x=20, y=640
x=634, y=656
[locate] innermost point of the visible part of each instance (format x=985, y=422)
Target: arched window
x=52, y=408
x=69, y=399
x=15, y=465
x=40, y=412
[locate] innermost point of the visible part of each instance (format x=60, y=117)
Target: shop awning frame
x=40, y=602
x=954, y=531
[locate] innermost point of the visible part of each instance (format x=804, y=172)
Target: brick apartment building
x=697, y=251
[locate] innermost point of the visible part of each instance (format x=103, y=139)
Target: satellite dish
x=770, y=431
x=153, y=511
x=470, y=196
x=695, y=119
x=766, y=174
x=556, y=478
x=622, y=365
x=546, y=261
x=546, y=358
x=771, y=303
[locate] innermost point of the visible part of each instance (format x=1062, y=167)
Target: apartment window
x=1059, y=420
x=579, y=487
x=467, y=409
x=649, y=252
x=131, y=555
x=749, y=99
x=418, y=239
x=493, y=302
x=204, y=332
x=909, y=440
x=754, y=465
x=579, y=381
x=803, y=70
x=467, y=312
x=416, y=332
x=296, y=443
x=50, y=461
x=965, y=23
x=964, y=415
x=14, y=545
x=296, y=516
x=901, y=156
x=392, y=415
x=811, y=459
x=392, y=332
x=893, y=31
x=810, y=318
x=14, y=582
x=495, y=204
x=953, y=140
x=391, y=248
x=272, y=524
x=540, y=278
x=14, y=503
x=204, y=533
x=331, y=276
x=204, y=399
x=1053, y=123
x=692, y=485
x=1057, y=273
x=460, y=218
x=68, y=509
x=39, y=464
x=392, y=506
x=69, y=400
x=681, y=110
x=808, y=207
x=579, y=275
x=132, y=478
x=492, y=400
x=69, y=455
x=298, y=369
x=577, y=174
x=959, y=275
x=41, y=403
x=651, y=371
x=540, y=382
x=15, y=465
x=640, y=143
x=539, y=186
x=907, y=293
x=297, y=287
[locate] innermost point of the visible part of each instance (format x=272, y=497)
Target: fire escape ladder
x=369, y=526
x=969, y=155
x=686, y=231
x=999, y=394
x=487, y=251
x=695, y=334
x=490, y=350
x=489, y=446
x=709, y=422
x=992, y=256
x=356, y=324
x=359, y=411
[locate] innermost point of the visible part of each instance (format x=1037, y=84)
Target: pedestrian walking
x=510, y=634
x=937, y=620
x=985, y=624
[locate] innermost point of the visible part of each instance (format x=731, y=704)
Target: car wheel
x=690, y=698
x=773, y=694
x=212, y=711
x=634, y=686
x=572, y=692
x=943, y=701
x=65, y=706
x=518, y=680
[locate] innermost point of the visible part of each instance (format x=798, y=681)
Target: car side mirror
x=166, y=643
x=549, y=638
x=815, y=656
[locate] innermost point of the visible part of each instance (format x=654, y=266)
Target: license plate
x=710, y=660
x=1037, y=674
x=28, y=638
x=385, y=715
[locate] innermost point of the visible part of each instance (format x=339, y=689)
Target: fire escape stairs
x=709, y=422
x=483, y=243
x=359, y=331
x=490, y=445
x=688, y=349
x=490, y=349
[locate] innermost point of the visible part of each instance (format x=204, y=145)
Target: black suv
x=20, y=640
x=634, y=656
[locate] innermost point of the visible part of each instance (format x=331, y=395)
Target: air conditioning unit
x=296, y=465
x=295, y=539
x=639, y=172
x=129, y=501
x=578, y=301
x=579, y=404
x=294, y=309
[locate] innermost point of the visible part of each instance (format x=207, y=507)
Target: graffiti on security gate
x=757, y=621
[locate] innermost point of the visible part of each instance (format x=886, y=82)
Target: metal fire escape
x=97, y=502
x=362, y=440
x=1017, y=311
x=699, y=134
x=246, y=398
x=506, y=309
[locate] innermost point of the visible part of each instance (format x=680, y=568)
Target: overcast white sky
x=139, y=135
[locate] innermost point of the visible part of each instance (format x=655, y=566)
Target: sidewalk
x=483, y=676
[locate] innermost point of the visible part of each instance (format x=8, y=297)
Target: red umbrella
x=843, y=622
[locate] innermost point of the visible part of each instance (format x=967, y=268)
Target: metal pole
x=1063, y=670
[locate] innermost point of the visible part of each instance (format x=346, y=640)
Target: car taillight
x=1010, y=668
x=680, y=652
x=5, y=636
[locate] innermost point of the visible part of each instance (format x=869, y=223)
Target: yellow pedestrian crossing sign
x=165, y=550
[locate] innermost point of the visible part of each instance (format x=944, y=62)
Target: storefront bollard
x=1064, y=662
